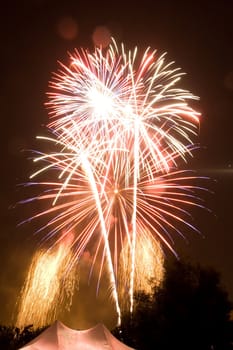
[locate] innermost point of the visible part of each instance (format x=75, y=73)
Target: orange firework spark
x=149, y=266
x=47, y=287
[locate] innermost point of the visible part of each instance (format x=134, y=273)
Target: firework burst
x=120, y=127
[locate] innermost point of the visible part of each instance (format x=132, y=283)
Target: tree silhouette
x=11, y=338
x=190, y=310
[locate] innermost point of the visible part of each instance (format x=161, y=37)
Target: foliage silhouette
x=190, y=310
x=11, y=338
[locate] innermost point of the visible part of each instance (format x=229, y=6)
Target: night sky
x=35, y=34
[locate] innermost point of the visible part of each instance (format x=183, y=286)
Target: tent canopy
x=60, y=337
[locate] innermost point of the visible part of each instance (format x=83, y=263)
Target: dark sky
x=197, y=35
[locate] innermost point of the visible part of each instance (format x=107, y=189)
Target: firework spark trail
x=149, y=265
x=48, y=285
x=120, y=126
x=105, y=235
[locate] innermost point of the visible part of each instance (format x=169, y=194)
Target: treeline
x=12, y=338
x=191, y=310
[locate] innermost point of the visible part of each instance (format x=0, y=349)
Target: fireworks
x=47, y=286
x=149, y=266
x=119, y=128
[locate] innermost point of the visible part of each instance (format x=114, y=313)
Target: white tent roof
x=60, y=337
